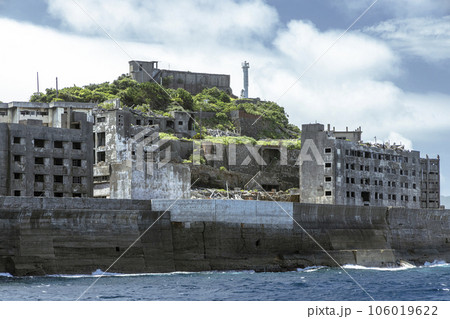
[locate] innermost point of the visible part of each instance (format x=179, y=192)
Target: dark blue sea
x=430, y=282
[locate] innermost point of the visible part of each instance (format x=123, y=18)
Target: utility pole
x=57, y=93
x=37, y=78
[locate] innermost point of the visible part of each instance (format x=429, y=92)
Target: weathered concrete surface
x=47, y=236
x=51, y=235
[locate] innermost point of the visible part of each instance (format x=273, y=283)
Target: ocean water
x=430, y=282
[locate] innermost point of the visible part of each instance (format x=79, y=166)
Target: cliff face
x=50, y=235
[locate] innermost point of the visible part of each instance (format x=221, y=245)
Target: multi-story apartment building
x=117, y=134
x=193, y=82
x=37, y=160
x=54, y=114
x=353, y=173
x=430, y=183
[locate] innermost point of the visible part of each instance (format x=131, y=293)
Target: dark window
x=38, y=194
x=381, y=196
x=328, y=165
x=58, y=179
x=347, y=166
x=328, y=150
x=17, y=140
x=39, y=178
x=353, y=181
x=414, y=186
x=17, y=158
x=17, y=176
x=138, y=122
x=76, y=195
x=101, y=156
x=180, y=122
x=365, y=196
x=58, y=161
x=76, y=162
x=101, y=119
x=348, y=194
x=101, y=139
x=58, y=194
x=353, y=194
x=76, y=145
x=414, y=198
x=58, y=144
x=328, y=193
x=394, y=197
x=327, y=178
x=16, y=193
x=39, y=160
x=76, y=180
x=39, y=143
x=75, y=125
x=347, y=180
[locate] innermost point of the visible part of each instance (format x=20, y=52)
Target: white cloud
x=428, y=38
x=396, y=138
x=191, y=22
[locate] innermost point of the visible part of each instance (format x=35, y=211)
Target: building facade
x=193, y=82
x=54, y=114
x=344, y=172
x=120, y=169
x=42, y=161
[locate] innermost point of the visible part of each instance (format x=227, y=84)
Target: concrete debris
x=237, y=194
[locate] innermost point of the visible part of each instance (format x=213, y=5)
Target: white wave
x=436, y=263
x=100, y=273
x=6, y=274
x=358, y=267
x=310, y=269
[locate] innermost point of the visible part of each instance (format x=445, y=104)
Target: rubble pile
x=238, y=194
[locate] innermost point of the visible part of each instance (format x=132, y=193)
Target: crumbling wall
x=148, y=181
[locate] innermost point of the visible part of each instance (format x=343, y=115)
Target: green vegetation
x=150, y=96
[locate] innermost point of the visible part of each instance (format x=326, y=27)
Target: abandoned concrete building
x=54, y=114
x=37, y=160
x=66, y=149
x=359, y=174
x=119, y=171
x=146, y=71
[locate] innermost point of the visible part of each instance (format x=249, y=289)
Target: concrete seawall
x=50, y=235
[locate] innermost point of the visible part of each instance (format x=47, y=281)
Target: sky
x=389, y=73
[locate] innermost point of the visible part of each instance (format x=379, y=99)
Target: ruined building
x=54, y=114
x=127, y=148
x=144, y=71
x=45, y=151
x=359, y=174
